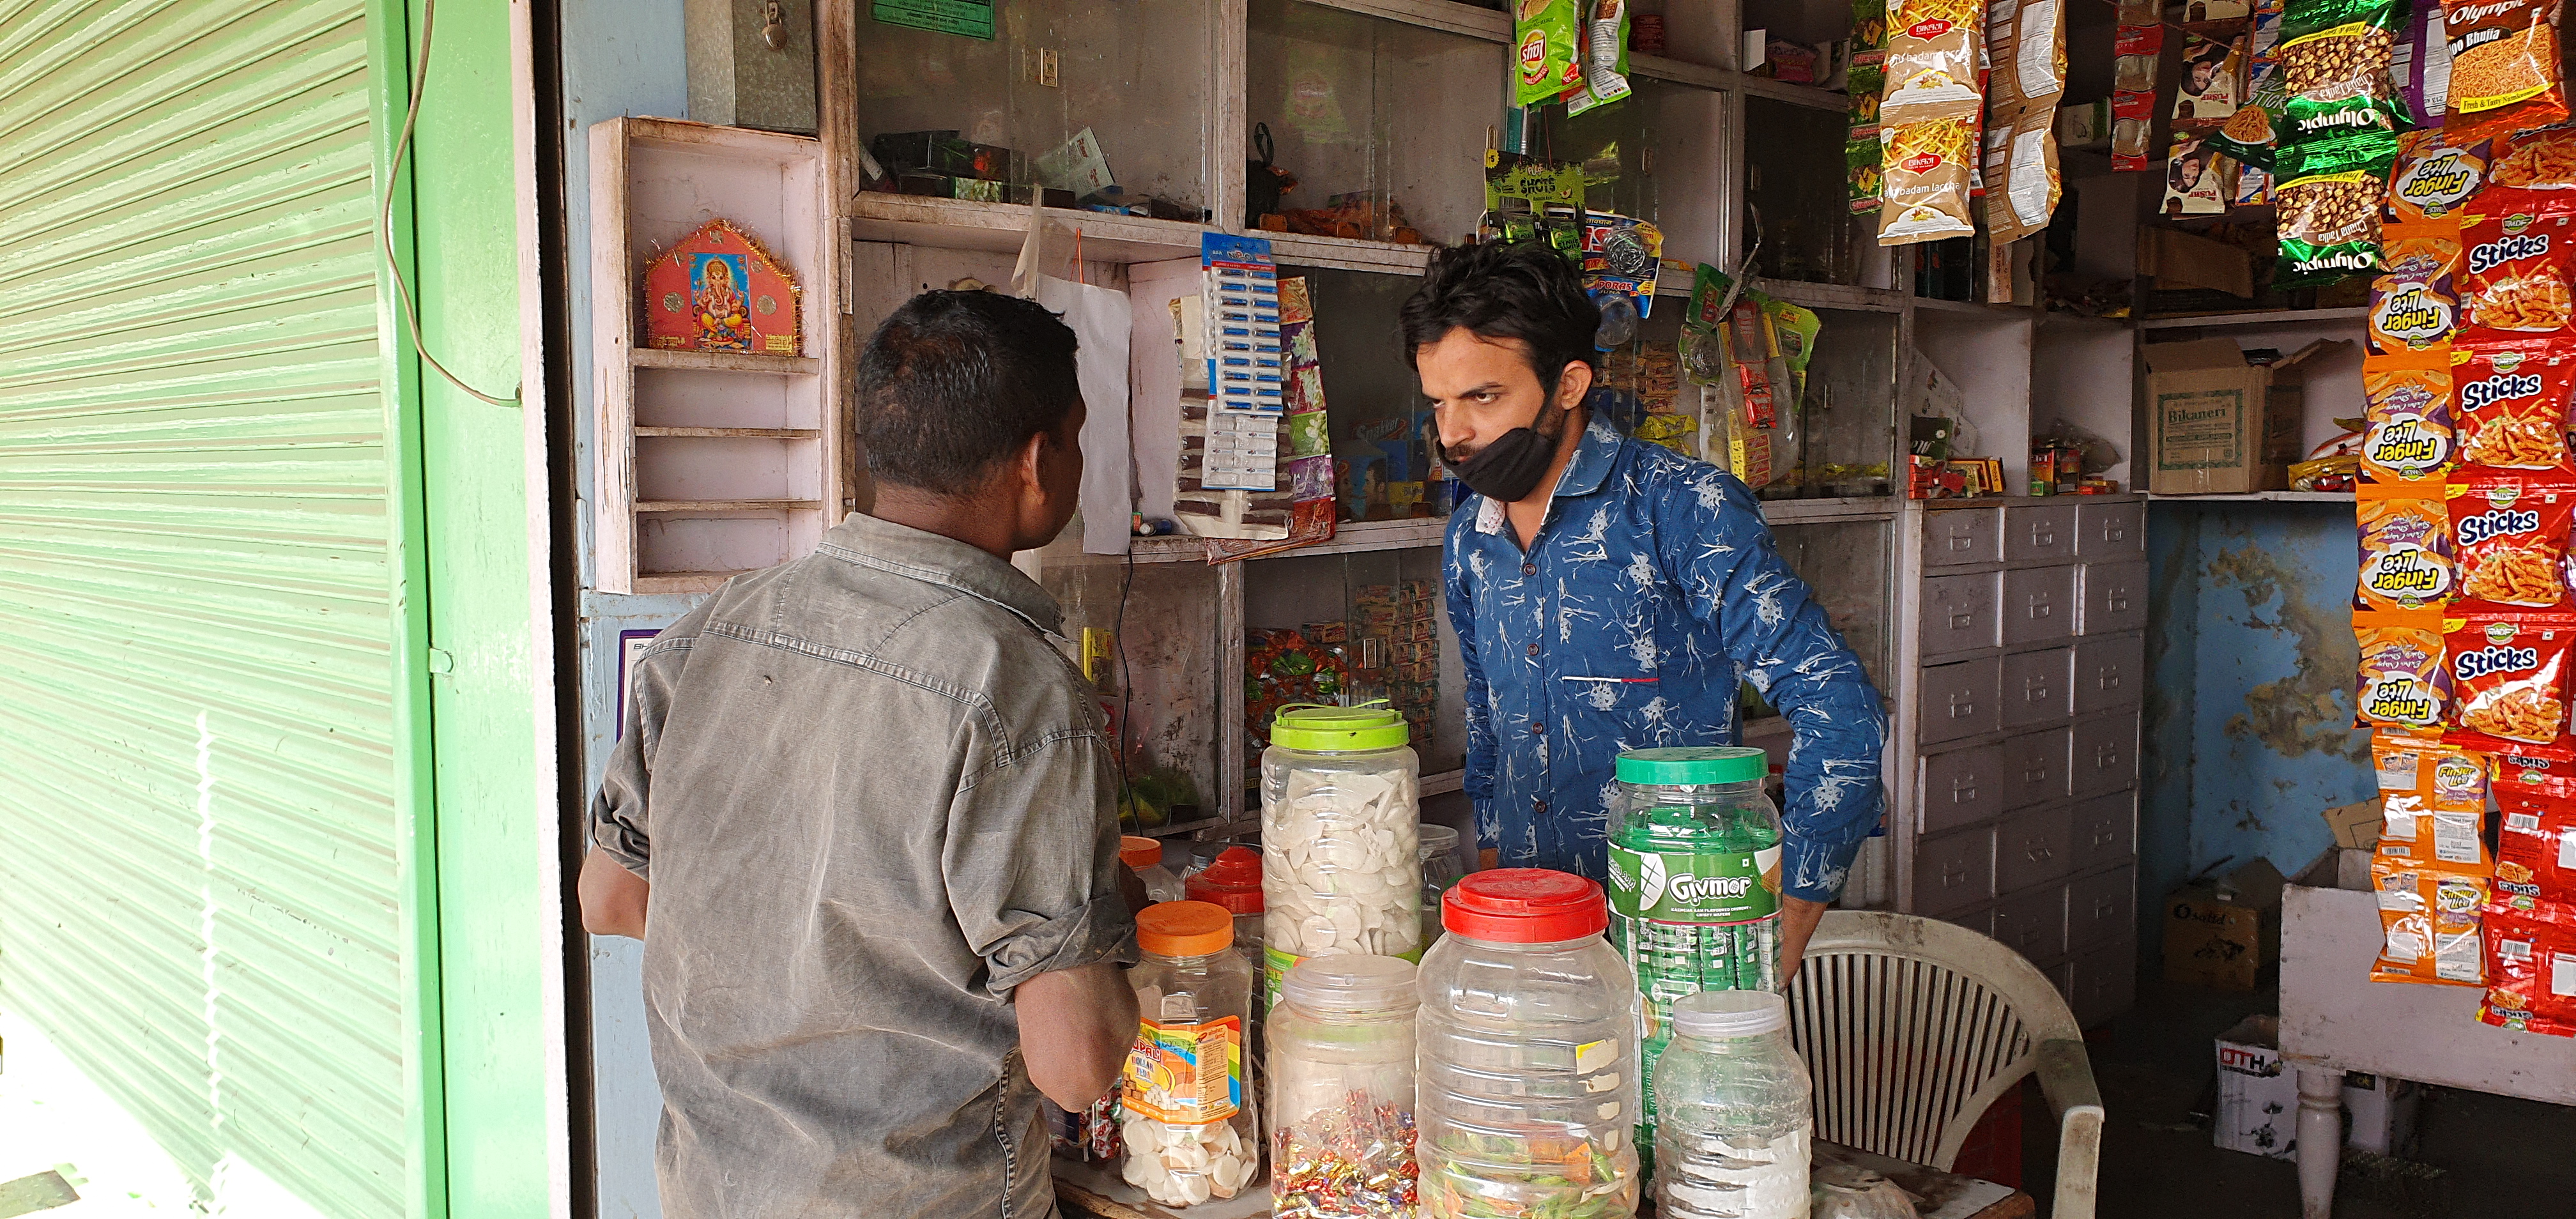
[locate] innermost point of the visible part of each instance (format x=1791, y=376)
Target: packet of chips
x=2510, y=405
x=2432, y=177
x=2508, y=541
x=1926, y=179
x=1603, y=61
x=2536, y=847
x=2515, y=245
x=1932, y=54
x=2544, y=159
x=2405, y=687
x=2328, y=207
x=2433, y=801
x=2531, y=971
x=2248, y=135
x=2406, y=422
x=2429, y=924
x=1547, y=41
x=2335, y=54
x=2405, y=550
x=2414, y=301
x=2509, y=674
x=2505, y=71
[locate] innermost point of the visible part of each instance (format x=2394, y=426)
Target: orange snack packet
x=2405, y=549
x=2433, y=800
x=2405, y=685
x=2509, y=541
x=2510, y=405
x=2415, y=302
x=2429, y=924
x=2407, y=421
x=2509, y=674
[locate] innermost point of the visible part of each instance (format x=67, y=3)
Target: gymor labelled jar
x=1144, y=857
x=1340, y=807
x=1233, y=881
x=1341, y=1090
x=1694, y=882
x=1734, y=1099
x=1189, y=1126
x=1528, y=1094
x=1440, y=869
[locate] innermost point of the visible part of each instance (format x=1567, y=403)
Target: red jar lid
x=1525, y=906
x=1231, y=880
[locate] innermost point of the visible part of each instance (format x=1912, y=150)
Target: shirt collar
x=929, y=557
x=1594, y=454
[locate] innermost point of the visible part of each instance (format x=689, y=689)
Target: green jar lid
x=1694, y=767
x=1318, y=729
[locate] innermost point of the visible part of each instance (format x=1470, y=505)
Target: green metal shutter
x=198, y=764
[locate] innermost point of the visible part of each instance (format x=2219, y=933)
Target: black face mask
x=1507, y=470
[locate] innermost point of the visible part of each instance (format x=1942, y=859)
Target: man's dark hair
x=955, y=382
x=1523, y=290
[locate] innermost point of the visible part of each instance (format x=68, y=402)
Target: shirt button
x=1529, y=569
x=1533, y=649
x=1538, y=728
x=1538, y=806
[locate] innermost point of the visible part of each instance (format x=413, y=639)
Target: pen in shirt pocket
x=1625, y=681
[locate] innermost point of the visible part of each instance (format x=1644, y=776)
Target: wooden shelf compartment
x=748, y=433
x=727, y=361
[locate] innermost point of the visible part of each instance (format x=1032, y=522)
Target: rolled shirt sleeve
x=1031, y=860
x=1783, y=643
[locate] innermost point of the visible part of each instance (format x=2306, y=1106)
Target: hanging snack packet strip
x=2336, y=56
x=2433, y=799
x=2433, y=177
x=2505, y=73
x=2536, y=852
x=2509, y=674
x=2415, y=302
x=2429, y=924
x=2544, y=159
x=2328, y=201
x=2406, y=422
x=2405, y=687
x=1926, y=180
x=1932, y=53
x=2510, y=405
x=2515, y=245
x=2509, y=540
x=2405, y=549
x=2531, y=967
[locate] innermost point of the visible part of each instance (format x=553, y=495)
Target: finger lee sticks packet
x=2509, y=403
x=2433, y=801
x=2414, y=302
x=2432, y=177
x=2515, y=245
x=2405, y=685
x=2405, y=536
x=2509, y=674
x=2407, y=427
x=2509, y=540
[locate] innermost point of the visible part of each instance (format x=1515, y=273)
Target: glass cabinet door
x=1797, y=181
x=1662, y=143
x=1849, y=409
x=1846, y=564
x=1146, y=636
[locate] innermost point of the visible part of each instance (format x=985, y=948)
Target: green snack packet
x=2248, y=138
x=1868, y=33
x=2333, y=59
x=1797, y=327
x=2327, y=198
x=1863, y=173
x=1546, y=59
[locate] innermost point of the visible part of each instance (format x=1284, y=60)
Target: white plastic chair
x=1912, y=1026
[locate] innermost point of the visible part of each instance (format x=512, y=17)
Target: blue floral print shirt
x=1650, y=593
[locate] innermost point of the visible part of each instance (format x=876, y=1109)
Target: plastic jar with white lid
x=1341, y=1090
x=1188, y=1123
x=1734, y=1111
x=1340, y=811
x=1528, y=1092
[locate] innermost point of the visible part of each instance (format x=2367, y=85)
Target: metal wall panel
x=198, y=841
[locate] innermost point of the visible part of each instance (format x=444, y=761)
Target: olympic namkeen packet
x=2509, y=404
x=2515, y=245
x=2433, y=177
x=2415, y=301
x=2405, y=683
x=2327, y=206
x=2433, y=800
x=2337, y=56
x=2505, y=71
x=2407, y=432
x=2405, y=536
x=2509, y=542
x=2509, y=674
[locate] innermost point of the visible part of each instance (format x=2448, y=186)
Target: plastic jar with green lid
x=1340, y=818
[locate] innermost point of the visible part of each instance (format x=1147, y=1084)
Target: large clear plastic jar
x=1189, y=1125
x=1736, y=1117
x=1340, y=811
x=1341, y=1090
x=1144, y=857
x=1528, y=1096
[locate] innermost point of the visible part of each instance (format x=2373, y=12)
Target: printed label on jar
x=1185, y=1074
x=1673, y=887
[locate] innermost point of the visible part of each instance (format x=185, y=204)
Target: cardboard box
x=2177, y=258
x=2218, y=425
x=2221, y=933
x=2355, y=825
x=2258, y=1099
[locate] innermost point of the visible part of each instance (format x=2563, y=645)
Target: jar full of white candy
x=1189, y=1124
x=1340, y=818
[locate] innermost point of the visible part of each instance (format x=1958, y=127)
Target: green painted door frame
x=480, y=802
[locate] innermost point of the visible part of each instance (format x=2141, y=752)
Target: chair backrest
x=1912, y=1026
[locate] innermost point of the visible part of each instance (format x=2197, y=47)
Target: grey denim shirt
x=871, y=797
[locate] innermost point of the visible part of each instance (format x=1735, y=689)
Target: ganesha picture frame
x=720, y=290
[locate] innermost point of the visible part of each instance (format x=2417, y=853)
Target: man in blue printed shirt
x=1610, y=594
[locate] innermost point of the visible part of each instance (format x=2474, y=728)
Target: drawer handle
x=2109, y=677
x=1962, y=541
x=2038, y=852
x=2114, y=532
x=2041, y=606
x=1954, y=873
x=2116, y=601
x=2043, y=535
x=2034, y=689
x=2036, y=774
x=2105, y=836
x=1961, y=620
x=1963, y=791
x=1962, y=706
x=2105, y=756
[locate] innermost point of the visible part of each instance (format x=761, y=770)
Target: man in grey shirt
x=868, y=811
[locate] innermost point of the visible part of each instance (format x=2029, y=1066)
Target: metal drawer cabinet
x=2035, y=768
x=2034, y=847
x=2039, y=604
x=2114, y=598
x=2102, y=908
x=2034, y=924
x=1962, y=787
x=2106, y=755
x=1960, y=700
x=1959, y=614
x=2039, y=531
x=2110, y=673
x=1967, y=535
x=1981, y=921
x=2106, y=831
x=2106, y=983
x=2110, y=531
x=1954, y=872
x=2038, y=687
